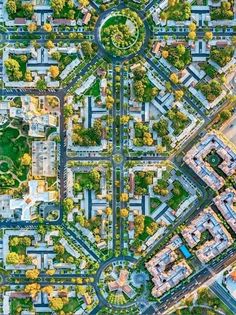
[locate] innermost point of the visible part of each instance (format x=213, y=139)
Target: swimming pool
x=185, y=251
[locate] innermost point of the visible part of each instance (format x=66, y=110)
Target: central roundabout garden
x=122, y=33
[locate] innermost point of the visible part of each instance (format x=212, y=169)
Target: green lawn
x=94, y=90
x=73, y=305
x=115, y=20
x=12, y=148
x=181, y=11
x=147, y=221
x=23, y=64
x=154, y=203
x=177, y=199
x=147, y=97
x=20, y=304
x=83, y=179
x=213, y=159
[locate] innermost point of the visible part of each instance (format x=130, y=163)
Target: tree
x=109, y=102
x=181, y=49
x=192, y=27
x=59, y=249
x=87, y=48
x=147, y=139
x=68, y=110
x=139, y=224
x=192, y=35
x=109, y=197
x=124, y=197
x=225, y=115
x=94, y=176
x=124, y=119
x=11, y=65
x=151, y=229
x=41, y=84
x=11, y=7
x=26, y=159
x=50, y=272
x=32, y=274
x=108, y=211
x=179, y=95
x=56, y=303
x=32, y=27
x=174, y=78
x=124, y=213
x=80, y=289
x=68, y=204
x=28, y=10
x=54, y=71
x=163, y=16
x=47, y=27
x=165, y=54
x=139, y=89
x=57, y=6
x=12, y=258
x=48, y=289
x=160, y=149
x=32, y=289
x=49, y=44
x=84, y=3
x=208, y=36
x=56, y=55
x=17, y=75
x=28, y=76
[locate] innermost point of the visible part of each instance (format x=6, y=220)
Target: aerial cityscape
x=118, y=157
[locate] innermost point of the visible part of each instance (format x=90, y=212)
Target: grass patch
x=23, y=64
x=20, y=304
x=154, y=203
x=147, y=222
x=73, y=305
x=179, y=195
x=12, y=148
x=115, y=20
x=213, y=159
x=94, y=90
x=180, y=11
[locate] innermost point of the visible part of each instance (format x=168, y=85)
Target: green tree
x=41, y=84
x=68, y=204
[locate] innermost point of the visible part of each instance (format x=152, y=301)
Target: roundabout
x=119, y=284
x=121, y=33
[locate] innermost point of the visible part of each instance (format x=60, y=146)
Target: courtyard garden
x=211, y=90
x=179, y=195
x=20, y=305
x=87, y=180
x=154, y=204
x=179, y=56
x=142, y=181
x=72, y=306
x=222, y=55
x=13, y=147
x=179, y=11
x=87, y=136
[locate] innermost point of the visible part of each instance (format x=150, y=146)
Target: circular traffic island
x=119, y=283
x=122, y=33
